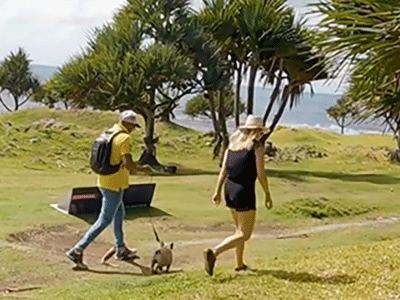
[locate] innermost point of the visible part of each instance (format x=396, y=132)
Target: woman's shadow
x=304, y=277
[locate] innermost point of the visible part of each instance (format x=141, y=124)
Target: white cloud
x=51, y=31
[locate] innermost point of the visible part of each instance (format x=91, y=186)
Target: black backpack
x=100, y=154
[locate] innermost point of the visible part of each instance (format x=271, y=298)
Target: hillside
x=333, y=231
x=51, y=135
x=42, y=138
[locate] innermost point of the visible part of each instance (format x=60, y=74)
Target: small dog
x=162, y=257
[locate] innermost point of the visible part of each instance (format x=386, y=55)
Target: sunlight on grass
x=353, y=182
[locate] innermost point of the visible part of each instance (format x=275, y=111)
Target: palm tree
x=341, y=112
x=363, y=36
x=159, y=65
x=300, y=66
x=219, y=19
x=17, y=79
x=131, y=62
x=266, y=26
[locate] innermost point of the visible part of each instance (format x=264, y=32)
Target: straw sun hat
x=253, y=122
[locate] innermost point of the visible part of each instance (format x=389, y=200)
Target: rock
x=270, y=149
x=64, y=127
x=169, y=144
x=60, y=164
x=208, y=134
x=34, y=140
x=185, y=139
x=170, y=169
x=49, y=123
x=37, y=159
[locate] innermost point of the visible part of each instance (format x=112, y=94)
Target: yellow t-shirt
x=121, y=145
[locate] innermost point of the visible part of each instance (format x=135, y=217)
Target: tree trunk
x=272, y=99
x=250, y=90
x=397, y=137
x=16, y=104
x=149, y=153
x=165, y=117
x=211, y=99
x=222, y=123
x=342, y=126
x=237, y=96
x=277, y=117
x=217, y=128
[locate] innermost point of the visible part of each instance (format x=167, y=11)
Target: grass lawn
x=319, y=179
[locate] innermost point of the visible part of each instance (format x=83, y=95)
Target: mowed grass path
x=354, y=182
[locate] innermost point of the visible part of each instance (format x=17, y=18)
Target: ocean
x=309, y=113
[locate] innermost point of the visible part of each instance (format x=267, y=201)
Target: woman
x=243, y=163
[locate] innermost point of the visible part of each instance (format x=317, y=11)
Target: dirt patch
x=47, y=243
x=51, y=241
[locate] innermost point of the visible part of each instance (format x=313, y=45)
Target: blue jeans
x=112, y=212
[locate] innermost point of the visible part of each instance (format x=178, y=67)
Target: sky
x=52, y=31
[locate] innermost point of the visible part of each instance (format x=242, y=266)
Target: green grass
x=369, y=271
x=353, y=182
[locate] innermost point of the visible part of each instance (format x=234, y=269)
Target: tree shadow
x=305, y=277
x=144, y=212
x=184, y=171
x=132, y=213
x=299, y=175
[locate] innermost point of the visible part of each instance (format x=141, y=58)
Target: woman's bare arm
x=216, y=199
x=262, y=178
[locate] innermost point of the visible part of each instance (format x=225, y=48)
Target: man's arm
x=132, y=166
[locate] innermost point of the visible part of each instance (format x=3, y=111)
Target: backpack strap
x=111, y=134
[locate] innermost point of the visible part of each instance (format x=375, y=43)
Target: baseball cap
x=129, y=116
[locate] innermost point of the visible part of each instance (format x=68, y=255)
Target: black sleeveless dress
x=240, y=183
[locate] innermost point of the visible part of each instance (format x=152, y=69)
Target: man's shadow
x=144, y=271
x=304, y=277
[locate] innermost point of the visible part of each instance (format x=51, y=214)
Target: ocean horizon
x=310, y=112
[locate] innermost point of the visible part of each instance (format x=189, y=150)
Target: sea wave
x=334, y=128
x=205, y=125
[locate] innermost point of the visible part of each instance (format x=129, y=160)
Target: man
x=112, y=189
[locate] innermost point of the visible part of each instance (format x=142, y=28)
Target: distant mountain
x=43, y=72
